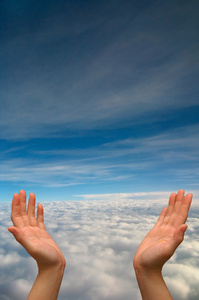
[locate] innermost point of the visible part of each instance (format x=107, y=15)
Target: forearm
x=152, y=285
x=47, y=284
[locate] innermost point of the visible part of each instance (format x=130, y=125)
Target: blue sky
x=98, y=97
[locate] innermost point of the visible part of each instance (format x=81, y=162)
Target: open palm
x=30, y=231
x=167, y=234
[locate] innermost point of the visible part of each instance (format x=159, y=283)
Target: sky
x=98, y=97
x=99, y=106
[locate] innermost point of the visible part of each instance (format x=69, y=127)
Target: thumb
x=18, y=234
x=179, y=233
x=23, y=239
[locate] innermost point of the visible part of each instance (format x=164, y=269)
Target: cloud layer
x=99, y=239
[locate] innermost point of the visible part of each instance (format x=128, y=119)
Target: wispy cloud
x=175, y=152
x=96, y=72
x=101, y=95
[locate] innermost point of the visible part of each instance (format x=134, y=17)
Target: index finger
x=182, y=214
x=16, y=212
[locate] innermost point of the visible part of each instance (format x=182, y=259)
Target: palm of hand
x=161, y=242
x=41, y=246
x=31, y=233
x=156, y=248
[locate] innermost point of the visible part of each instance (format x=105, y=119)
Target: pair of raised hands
x=156, y=248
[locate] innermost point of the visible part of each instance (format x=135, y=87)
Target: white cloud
x=20, y=288
x=99, y=239
x=7, y=259
x=128, y=196
x=183, y=280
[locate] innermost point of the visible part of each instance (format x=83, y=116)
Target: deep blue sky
x=98, y=97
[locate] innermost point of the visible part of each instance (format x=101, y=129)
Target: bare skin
x=156, y=248
x=30, y=232
x=159, y=245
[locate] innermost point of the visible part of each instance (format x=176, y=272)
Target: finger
x=13, y=230
x=170, y=208
x=172, y=201
x=179, y=201
x=22, y=197
x=16, y=212
x=162, y=216
x=40, y=216
x=179, y=234
x=23, y=239
x=31, y=210
x=182, y=214
x=177, y=206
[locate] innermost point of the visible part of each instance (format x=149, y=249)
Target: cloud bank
x=99, y=239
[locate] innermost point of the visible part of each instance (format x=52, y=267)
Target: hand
x=30, y=232
x=161, y=242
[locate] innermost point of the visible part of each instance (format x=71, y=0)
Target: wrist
x=48, y=282
x=57, y=268
x=151, y=284
x=145, y=266
x=144, y=272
